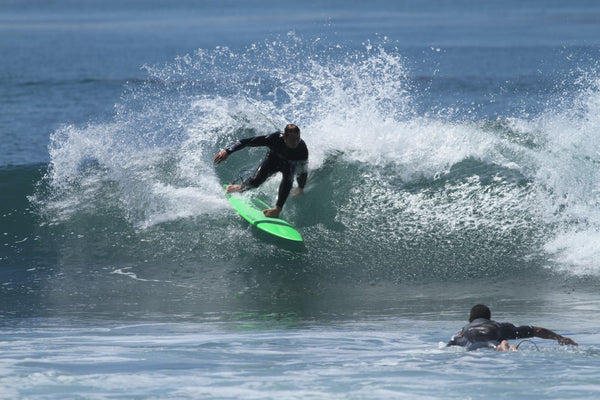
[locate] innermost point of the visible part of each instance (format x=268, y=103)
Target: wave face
x=397, y=192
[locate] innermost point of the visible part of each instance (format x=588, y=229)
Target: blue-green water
x=454, y=159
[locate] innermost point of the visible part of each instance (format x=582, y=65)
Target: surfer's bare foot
x=504, y=346
x=272, y=212
x=234, y=188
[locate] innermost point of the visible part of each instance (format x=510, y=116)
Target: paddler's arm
x=548, y=334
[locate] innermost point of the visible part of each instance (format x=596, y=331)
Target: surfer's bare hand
x=221, y=156
x=297, y=192
x=272, y=212
x=567, y=341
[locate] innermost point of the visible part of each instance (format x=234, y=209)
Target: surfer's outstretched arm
x=548, y=334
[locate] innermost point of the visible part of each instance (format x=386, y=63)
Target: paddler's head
x=480, y=311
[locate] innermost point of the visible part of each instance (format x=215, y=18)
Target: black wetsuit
x=483, y=332
x=280, y=158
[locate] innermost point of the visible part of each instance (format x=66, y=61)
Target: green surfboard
x=251, y=209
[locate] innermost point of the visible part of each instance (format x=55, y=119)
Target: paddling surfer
x=287, y=154
x=483, y=332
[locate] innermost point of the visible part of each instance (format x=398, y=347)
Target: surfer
x=483, y=332
x=287, y=154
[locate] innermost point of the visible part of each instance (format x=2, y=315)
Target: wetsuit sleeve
x=302, y=174
x=509, y=331
x=302, y=168
x=255, y=141
x=302, y=180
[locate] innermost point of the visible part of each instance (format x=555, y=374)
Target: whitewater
x=511, y=186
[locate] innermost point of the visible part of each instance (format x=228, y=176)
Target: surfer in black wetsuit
x=483, y=332
x=287, y=154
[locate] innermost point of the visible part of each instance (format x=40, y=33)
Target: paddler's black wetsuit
x=280, y=158
x=483, y=333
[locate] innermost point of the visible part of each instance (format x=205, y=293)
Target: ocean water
x=454, y=160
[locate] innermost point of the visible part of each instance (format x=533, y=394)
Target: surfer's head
x=291, y=136
x=480, y=311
